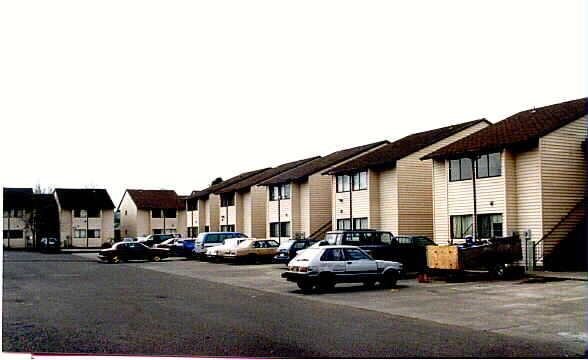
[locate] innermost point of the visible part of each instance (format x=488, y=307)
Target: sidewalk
x=580, y=276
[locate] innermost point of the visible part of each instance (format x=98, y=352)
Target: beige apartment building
x=86, y=217
x=390, y=188
x=203, y=207
x=298, y=201
x=526, y=174
x=17, y=219
x=243, y=205
x=145, y=212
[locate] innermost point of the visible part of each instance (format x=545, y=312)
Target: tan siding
x=295, y=208
x=319, y=201
x=246, y=227
x=441, y=233
x=128, y=217
x=106, y=227
x=563, y=170
x=374, y=199
x=305, y=208
x=143, y=222
x=509, y=218
x=258, y=212
x=528, y=185
x=388, y=200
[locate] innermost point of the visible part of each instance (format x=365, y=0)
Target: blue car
x=184, y=247
x=287, y=251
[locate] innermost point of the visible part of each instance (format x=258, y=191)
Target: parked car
x=382, y=245
x=168, y=244
x=215, y=253
x=129, y=239
x=287, y=250
x=252, y=251
x=325, y=266
x=154, y=239
x=184, y=247
x=50, y=245
x=123, y=251
x=209, y=239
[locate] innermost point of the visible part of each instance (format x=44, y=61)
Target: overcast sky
x=171, y=94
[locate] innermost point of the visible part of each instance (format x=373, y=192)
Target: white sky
x=171, y=94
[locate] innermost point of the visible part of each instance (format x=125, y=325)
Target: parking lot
x=540, y=309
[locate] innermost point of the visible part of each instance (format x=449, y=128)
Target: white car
x=325, y=266
x=217, y=252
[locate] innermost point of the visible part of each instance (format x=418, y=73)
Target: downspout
x=475, y=219
x=351, y=203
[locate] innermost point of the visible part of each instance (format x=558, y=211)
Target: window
x=94, y=233
x=80, y=233
x=461, y=226
x=343, y=224
x=212, y=238
x=352, y=238
x=156, y=213
x=343, y=183
x=227, y=228
x=169, y=213
x=385, y=238
x=355, y=254
x=280, y=229
x=277, y=190
x=17, y=213
x=332, y=255
x=193, y=231
x=360, y=223
x=13, y=234
x=227, y=199
x=192, y=204
x=80, y=213
x=489, y=226
x=156, y=231
x=94, y=213
x=206, y=228
x=489, y=165
x=460, y=169
x=360, y=180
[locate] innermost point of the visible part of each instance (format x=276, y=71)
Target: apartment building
x=145, y=212
x=299, y=201
x=203, y=206
x=526, y=174
x=390, y=188
x=86, y=217
x=17, y=218
x=243, y=205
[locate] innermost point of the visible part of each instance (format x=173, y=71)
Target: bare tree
x=39, y=189
x=218, y=180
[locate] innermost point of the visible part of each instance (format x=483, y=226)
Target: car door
x=333, y=261
x=137, y=251
x=359, y=264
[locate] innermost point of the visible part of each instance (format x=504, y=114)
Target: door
x=359, y=263
x=333, y=260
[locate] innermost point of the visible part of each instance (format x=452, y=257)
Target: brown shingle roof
x=320, y=164
x=521, y=129
x=386, y=156
x=211, y=189
x=155, y=199
x=256, y=179
x=18, y=198
x=84, y=199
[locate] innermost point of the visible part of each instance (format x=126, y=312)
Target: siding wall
x=374, y=199
x=319, y=199
x=246, y=213
x=258, y=212
x=509, y=171
x=388, y=200
x=20, y=223
x=441, y=224
x=107, y=226
x=128, y=217
x=528, y=196
x=212, y=206
x=305, y=207
x=563, y=170
x=285, y=213
x=295, y=209
x=143, y=222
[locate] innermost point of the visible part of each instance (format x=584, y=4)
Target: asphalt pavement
x=69, y=304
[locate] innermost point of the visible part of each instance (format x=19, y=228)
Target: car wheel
x=326, y=282
x=305, y=285
x=498, y=271
x=156, y=258
x=389, y=280
x=115, y=260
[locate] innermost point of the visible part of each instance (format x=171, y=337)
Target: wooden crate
x=443, y=257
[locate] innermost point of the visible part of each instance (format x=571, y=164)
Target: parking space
x=539, y=309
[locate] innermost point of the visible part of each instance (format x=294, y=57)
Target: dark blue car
x=184, y=247
x=287, y=250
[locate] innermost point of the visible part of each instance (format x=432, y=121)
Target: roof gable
x=256, y=179
x=155, y=199
x=523, y=128
x=320, y=164
x=386, y=156
x=213, y=188
x=84, y=199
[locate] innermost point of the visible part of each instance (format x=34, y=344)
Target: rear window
x=309, y=253
x=212, y=238
x=332, y=238
x=287, y=244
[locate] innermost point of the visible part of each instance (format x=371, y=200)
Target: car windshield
x=287, y=244
x=331, y=239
